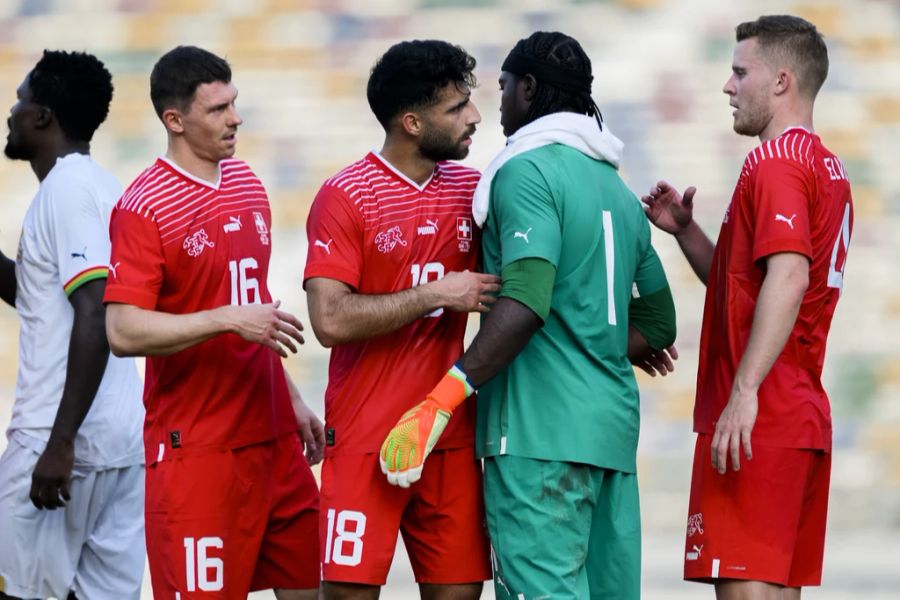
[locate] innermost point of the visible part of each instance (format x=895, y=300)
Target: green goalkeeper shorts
x=562, y=530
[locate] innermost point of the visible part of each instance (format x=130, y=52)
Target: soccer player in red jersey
x=390, y=278
x=757, y=530
x=231, y=506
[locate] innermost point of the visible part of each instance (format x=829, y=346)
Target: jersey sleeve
x=335, y=237
x=650, y=277
x=780, y=197
x=527, y=218
x=79, y=242
x=136, y=261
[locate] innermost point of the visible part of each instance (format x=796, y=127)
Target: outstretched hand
x=267, y=325
x=667, y=209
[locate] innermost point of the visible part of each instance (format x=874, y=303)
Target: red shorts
x=441, y=518
x=765, y=522
x=222, y=524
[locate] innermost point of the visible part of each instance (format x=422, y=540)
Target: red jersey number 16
x=244, y=288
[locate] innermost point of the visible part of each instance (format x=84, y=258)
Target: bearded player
x=390, y=278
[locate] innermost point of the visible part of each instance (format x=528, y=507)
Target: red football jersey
x=379, y=232
x=793, y=195
x=182, y=245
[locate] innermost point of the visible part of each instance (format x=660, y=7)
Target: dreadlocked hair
x=558, y=49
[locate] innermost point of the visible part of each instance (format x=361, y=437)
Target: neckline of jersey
x=194, y=178
x=71, y=157
x=792, y=127
x=399, y=174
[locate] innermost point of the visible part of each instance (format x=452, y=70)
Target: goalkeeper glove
x=409, y=443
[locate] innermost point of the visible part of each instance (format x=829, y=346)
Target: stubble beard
x=437, y=146
x=752, y=121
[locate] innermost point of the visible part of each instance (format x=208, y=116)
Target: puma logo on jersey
x=113, y=267
x=321, y=244
x=694, y=553
x=234, y=224
x=82, y=254
x=430, y=229
x=523, y=235
x=786, y=220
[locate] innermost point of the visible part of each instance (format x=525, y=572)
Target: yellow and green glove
x=411, y=440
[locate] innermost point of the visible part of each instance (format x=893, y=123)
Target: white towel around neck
x=577, y=131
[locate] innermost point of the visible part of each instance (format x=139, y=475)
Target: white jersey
x=64, y=244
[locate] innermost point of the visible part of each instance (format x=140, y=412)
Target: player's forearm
x=637, y=343
x=697, y=248
x=7, y=280
x=87, y=358
x=506, y=330
x=773, y=320
x=349, y=316
x=134, y=331
x=293, y=392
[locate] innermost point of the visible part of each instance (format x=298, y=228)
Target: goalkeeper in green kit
x=583, y=297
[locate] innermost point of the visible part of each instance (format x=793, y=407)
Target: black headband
x=555, y=75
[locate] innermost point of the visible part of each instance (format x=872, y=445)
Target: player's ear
x=411, y=124
x=44, y=117
x=784, y=80
x=528, y=87
x=171, y=118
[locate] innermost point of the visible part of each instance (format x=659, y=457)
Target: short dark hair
x=795, y=41
x=178, y=73
x=76, y=87
x=411, y=74
x=557, y=48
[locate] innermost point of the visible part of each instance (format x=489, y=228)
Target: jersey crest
x=195, y=244
x=388, y=240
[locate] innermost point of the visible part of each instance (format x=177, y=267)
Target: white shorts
x=94, y=546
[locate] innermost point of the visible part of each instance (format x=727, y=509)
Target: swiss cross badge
x=261, y=228
x=464, y=233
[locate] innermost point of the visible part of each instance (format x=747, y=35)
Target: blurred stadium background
x=659, y=65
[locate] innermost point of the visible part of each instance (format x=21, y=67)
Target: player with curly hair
x=389, y=280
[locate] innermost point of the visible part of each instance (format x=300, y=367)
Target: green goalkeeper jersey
x=571, y=394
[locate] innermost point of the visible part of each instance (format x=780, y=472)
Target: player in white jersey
x=71, y=477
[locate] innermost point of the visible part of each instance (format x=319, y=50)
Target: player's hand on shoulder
x=50, y=479
x=466, y=291
x=667, y=209
x=266, y=324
